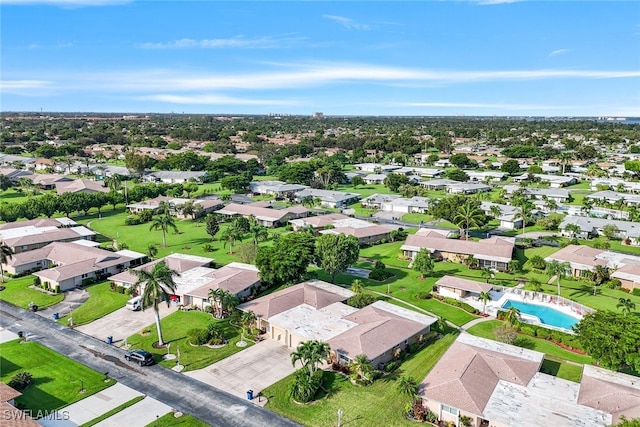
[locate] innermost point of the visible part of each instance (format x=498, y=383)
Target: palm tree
x=225, y=197
x=164, y=208
x=487, y=272
x=357, y=286
x=229, y=302
x=599, y=275
x=558, y=269
x=215, y=298
x=230, y=235
x=164, y=223
x=484, y=297
x=158, y=286
x=468, y=216
x=573, y=229
x=408, y=387
x=113, y=182
x=259, y=233
x=524, y=212
x=310, y=353
x=626, y=305
x=512, y=315
x=495, y=211
x=362, y=368
x=247, y=319
x=152, y=251
x=6, y=253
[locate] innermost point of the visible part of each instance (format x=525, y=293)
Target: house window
x=449, y=409
x=85, y=276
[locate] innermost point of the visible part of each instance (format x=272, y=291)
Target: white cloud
x=347, y=22
x=233, y=42
x=558, y=52
x=213, y=100
x=14, y=86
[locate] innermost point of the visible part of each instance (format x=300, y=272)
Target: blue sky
x=486, y=57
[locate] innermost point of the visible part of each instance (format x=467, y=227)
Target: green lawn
x=174, y=331
x=183, y=421
x=561, y=369
x=57, y=380
x=102, y=301
x=379, y=404
x=485, y=330
x=191, y=237
x=11, y=195
x=18, y=293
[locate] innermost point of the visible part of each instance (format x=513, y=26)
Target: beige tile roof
x=612, y=392
x=230, y=278
x=7, y=393
x=579, y=254
x=12, y=418
x=360, y=232
x=494, y=249
x=464, y=284
x=59, y=234
x=80, y=185
x=257, y=211
x=466, y=375
x=286, y=299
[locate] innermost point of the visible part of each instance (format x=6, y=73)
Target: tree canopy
x=287, y=260
x=336, y=252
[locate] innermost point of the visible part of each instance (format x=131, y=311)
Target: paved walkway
x=475, y=322
x=92, y=407
x=6, y=335
x=72, y=300
x=139, y=415
x=254, y=368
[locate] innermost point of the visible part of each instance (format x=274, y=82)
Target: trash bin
x=56, y=316
x=249, y=394
x=109, y=340
x=20, y=334
x=34, y=308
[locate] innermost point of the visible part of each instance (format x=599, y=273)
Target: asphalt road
x=187, y=395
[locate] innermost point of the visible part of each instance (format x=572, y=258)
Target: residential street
x=182, y=393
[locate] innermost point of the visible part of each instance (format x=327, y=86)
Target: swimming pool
x=547, y=315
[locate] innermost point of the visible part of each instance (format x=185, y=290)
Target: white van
x=134, y=303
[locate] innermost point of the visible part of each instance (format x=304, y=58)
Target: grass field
x=379, y=404
x=102, y=301
x=57, y=380
x=174, y=331
x=183, y=421
x=18, y=292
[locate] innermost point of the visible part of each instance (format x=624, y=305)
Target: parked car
x=141, y=357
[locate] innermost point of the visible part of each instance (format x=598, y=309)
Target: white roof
x=312, y=324
x=86, y=243
x=131, y=254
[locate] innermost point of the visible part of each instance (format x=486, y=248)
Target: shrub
x=612, y=284
x=636, y=292
x=21, y=380
x=121, y=289
x=198, y=336
x=36, y=281
x=303, y=389
x=538, y=262
x=379, y=275
x=88, y=281
x=208, y=247
x=414, y=347
x=132, y=220
x=528, y=330
x=390, y=366
x=379, y=265
x=145, y=216
x=424, y=295
x=361, y=300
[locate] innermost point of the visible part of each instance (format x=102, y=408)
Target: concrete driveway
x=142, y=413
x=123, y=323
x=254, y=368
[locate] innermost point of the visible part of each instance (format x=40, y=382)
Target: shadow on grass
x=550, y=367
x=8, y=366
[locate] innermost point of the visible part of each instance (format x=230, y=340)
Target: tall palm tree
x=231, y=235
x=259, y=233
x=362, y=368
x=310, y=354
x=558, y=269
x=626, y=305
x=484, y=297
x=487, y=272
x=229, y=302
x=215, y=298
x=468, y=216
x=248, y=319
x=524, y=212
x=495, y=211
x=512, y=315
x=164, y=223
x=152, y=251
x=6, y=253
x=159, y=285
x=599, y=275
x=113, y=182
x=408, y=386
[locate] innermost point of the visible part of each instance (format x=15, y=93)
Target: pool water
x=547, y=315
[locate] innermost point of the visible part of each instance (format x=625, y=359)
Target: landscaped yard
x=183, y=421
x=102, y=301
x=57, y=380
x=174, y=331
x=379, y=404
x=18, y=292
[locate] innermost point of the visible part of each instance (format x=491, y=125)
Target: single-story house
x=422, y=172
x=467, y=188
x=176, y=177
x=497, y=384
x=22, y=236
x=438, y=184
x=329, y=198
x=592, y=227
x=375, y=178
x=49, y=181
x=15, y=175
x=375, y=167
x=613, y=197
x=314, y=310
x=482, y=176
x=277, y=188
x=413, y=205
x=317, y=222
x=11, y=415
x=508, y=217
x=559, y=195
x=66, y=264
x=597, y=212
x=494, y=252
x=201, y=207
x=375, y=201
x=268, y=217
x=80, y=186
x=366, y=235
x=456, y=287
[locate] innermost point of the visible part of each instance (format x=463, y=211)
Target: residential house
x=41, y=164
x=314, y=310
x=375, y=201
x=612, y=392
x=597, y=212
x=614, y=197
x=509, y=219
x=375, y=167
x=402, y=205
x=458, y=288
x=15, y=175
x=329, y=198
x=497, y=384
x=201, y=207
x=438, y=184
x=10, y=160
x=467, y=188
x=26, y=236
x=269, y=217
x=80, y=186
x=276, y=188
x=67, y=265
x=558, y=195
x=592, y=227
x=177, y=177
x=485, y=176
x=318, y=222
x=494, y=252
x=421, y=172
x=49, y=181
x=375, y=178
x=367, y=234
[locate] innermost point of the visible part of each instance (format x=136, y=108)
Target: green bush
x=145, y=216
x=612, y=284
x=303, y=389
x=132, y=220
x=207, y=247
x=424, y=295
x=379, y=275
x=414, y=347
x=198, y=336
x=636, y=292
x=528, y=330
x=361, y=300
x=36, y=281
x=88, y=281
x=21, y=381
x=390, y=366
x=379, y=265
